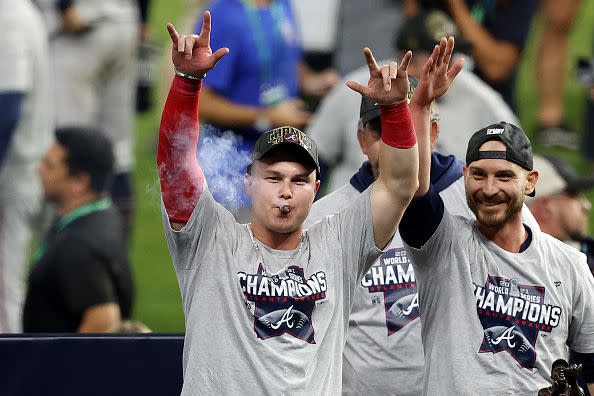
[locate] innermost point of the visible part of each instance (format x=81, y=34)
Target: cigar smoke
x=223, y=160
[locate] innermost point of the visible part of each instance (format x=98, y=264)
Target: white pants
x=95, y=83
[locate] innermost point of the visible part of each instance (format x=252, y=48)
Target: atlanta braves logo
x=283, y=303
x=394, y=276
x=286, y=318
x=508, y=335
x=512, y=315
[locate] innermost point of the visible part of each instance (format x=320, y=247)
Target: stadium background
x=158, y=303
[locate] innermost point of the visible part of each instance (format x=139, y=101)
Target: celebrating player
x=267, y=303
x=499, y=301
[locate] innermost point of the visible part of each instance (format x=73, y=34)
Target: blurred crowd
x=73, y=73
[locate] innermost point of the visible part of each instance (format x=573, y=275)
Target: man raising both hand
x=269, y=296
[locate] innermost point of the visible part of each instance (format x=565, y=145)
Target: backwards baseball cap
x=518, y=147
x=284, y=136
x=424, y=30
x=556, y=176
x=370, y=109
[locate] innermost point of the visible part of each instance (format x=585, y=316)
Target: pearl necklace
x=259, y=252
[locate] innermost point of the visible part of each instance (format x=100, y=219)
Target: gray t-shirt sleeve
x=355, y=233
x=209, y=222
x=581, y=328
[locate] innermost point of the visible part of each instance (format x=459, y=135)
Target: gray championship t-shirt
x=493, y=321
x=383, y=353
x=275, y=325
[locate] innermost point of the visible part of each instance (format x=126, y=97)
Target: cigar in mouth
x=284, y=208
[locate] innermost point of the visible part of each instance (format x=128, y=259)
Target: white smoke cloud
x=223, y=161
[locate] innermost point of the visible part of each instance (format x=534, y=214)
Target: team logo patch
x=290, y=136
x=394, y=276
x=512, y=315
x=283, y=303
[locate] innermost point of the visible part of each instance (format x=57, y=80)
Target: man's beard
x=514, y=206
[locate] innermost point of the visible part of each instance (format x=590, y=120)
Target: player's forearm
x=219, y=111
x=398, y=179
x=398, y=160
x=421, y=116
x=182, y=180
x=495, y=58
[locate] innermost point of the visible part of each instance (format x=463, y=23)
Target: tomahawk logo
x=512, y=315
x=394, y=276
x=507, y=335
x=286, y=318
x=283, y=303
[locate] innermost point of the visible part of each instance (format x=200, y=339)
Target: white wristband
x=189, y=76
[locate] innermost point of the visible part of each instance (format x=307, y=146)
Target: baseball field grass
x=158, y=301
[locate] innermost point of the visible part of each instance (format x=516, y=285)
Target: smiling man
x=267, y=304
x=499, y=301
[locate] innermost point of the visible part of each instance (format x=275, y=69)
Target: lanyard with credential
x=95, y=206
x=263, y=47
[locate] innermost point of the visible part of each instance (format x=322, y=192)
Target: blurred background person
x=365, y=24
x=80, y=279
x=560, y=206
x=558, y=17
x=497, y=31
x=93, y=50
x=25, y=135
x=317, y=28
x=467, y=106
x=256, y=86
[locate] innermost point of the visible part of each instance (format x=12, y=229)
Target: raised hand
x=386, y=86
x=191, y=54
x=436, y=75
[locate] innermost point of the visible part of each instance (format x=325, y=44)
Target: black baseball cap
x=424, y=30
x=556, y=176
x=370, y=109
x=519, y=149
x=285, y=135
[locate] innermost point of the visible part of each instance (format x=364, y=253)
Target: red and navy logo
x=283, y=303
x=394, y=276
x=512, y=315
x=290, y=135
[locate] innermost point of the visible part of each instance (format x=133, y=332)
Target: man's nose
x=285, y=190
x=490, y=187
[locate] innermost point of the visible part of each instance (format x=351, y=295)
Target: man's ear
x=361, y=141
x=81, y=182
x=531, y=180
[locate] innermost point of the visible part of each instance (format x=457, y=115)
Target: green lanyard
x=263, y=48
x=91, y=207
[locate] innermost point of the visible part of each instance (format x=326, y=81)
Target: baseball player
x=500, y=301
x=25, y=133
x=270, y=296
x=384, y=337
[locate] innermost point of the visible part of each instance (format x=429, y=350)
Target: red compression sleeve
x=397, y=126
x=182, y=180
